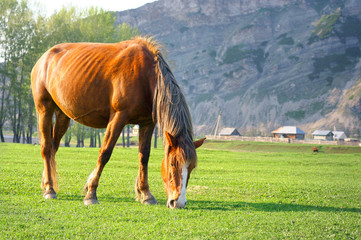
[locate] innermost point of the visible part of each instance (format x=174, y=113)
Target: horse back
x=90, y=81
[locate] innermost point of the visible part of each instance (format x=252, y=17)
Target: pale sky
x=49, y=6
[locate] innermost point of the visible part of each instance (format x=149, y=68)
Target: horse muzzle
x=176, y=204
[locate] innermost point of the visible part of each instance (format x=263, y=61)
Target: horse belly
x=94, y=120
x=82, y=103
x=85, y=114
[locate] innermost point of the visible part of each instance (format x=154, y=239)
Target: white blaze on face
x=181, y=202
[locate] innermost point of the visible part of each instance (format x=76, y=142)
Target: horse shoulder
x=134, y=80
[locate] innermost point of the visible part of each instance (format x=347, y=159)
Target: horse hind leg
x=60, y=127
x=142, y=191
x=49, y=182
x=50, y=141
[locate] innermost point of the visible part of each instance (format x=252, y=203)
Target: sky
x=49, y=6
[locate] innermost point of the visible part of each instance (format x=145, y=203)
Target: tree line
x=25, y=34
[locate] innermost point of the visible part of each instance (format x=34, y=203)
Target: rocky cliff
x=263, y=63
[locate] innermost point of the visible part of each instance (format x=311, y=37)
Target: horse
x=109, y=85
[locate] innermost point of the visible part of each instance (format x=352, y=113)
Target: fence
x=281, y=140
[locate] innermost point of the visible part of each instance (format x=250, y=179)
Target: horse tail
x=169, y=104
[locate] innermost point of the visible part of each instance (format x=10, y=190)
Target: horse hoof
x=88, y=202
x=150, y=201
x=50, y=196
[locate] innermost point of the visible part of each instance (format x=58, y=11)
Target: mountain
x=347, y=113
x=263, y=63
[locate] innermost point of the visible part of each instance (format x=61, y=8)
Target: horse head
x=179, y=161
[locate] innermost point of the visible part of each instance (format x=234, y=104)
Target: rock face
x=263, y=63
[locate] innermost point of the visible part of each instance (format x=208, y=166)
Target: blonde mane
x=150, y=43
x=169, y=105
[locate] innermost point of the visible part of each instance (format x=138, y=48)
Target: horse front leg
x=142, y=191
x=112, y=133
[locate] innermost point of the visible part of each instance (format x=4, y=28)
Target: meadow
x=238, y=191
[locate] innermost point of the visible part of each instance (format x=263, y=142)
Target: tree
x=4, y=98
x=128, y=131
x=94, y=135
x=79, y=131
x=16, y=39
x=67, y=137
x=38, y=46
x=24, y=37
x=6, y=8
x=155, y=136
x=123, y=137
x=89, y=25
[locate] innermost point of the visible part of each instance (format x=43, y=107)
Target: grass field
x=254, y=191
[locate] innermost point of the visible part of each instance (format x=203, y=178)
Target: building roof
x=321, y=132
x=228, y=131
x=339, y=134
x=288, y=130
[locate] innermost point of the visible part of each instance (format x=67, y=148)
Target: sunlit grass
x=282, y=194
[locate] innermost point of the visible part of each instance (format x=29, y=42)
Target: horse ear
x=199, y=142
x=170, y=139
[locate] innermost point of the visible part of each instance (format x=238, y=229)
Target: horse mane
x=169, y=105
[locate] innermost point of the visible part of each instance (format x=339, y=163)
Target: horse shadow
x=266, y=207
x=226, y=205
x=101, y=198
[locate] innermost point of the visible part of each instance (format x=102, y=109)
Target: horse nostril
x=172, y=203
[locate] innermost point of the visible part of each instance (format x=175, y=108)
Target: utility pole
x=218, y=123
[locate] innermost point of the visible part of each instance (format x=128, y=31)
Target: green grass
x=244, y=146
x=255, y=191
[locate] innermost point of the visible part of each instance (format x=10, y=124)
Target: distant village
x=294, y=132
x=286, y=134
x=290, y=134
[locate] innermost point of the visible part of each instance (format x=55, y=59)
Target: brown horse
x=111, y=85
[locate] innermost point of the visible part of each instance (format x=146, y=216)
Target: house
x=229, y=132
x=339, y=135
x=323, y=135
x=351, y=140
x=136, y=130
x=289, y=132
